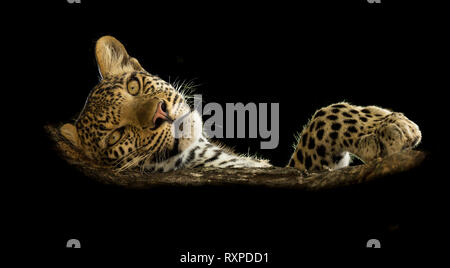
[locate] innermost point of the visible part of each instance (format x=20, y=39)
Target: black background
x=302, y=56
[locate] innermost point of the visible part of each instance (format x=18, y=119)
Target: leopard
x=133, y=119
x=341, y=130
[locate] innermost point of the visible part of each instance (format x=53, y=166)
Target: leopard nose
x=161, y=112
x=145, y=110
x=161, y=115
x=152, y=113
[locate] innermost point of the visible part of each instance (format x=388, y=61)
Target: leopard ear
x=112, y=57
x=69, y=132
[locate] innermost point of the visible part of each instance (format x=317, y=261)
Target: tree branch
x=275, y=177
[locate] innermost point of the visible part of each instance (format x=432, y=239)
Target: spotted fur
x=131, y=120
x=342, y=128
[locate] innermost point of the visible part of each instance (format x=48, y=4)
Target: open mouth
x=161, y=115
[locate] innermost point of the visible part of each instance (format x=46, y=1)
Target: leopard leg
x=339, y=129
x=392, y=135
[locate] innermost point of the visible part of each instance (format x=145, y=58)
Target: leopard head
x=131, y=116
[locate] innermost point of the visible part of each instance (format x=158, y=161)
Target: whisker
x=132, y=163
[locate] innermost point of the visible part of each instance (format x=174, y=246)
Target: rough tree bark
x=276, y=177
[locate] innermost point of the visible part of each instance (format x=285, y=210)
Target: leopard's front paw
x=397, y=133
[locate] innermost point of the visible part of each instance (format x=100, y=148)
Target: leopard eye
x=115, y=136
x=133, y=87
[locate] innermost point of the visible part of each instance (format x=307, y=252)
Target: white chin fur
x=192, y=129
